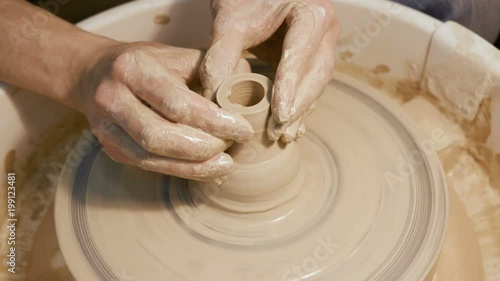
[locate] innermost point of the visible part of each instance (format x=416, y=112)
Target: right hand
x=305, y=52
x=136, y=98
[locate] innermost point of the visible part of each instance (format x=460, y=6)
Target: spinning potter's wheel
x=359, y=197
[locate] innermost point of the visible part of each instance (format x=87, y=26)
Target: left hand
x=306, y=62
x=138, y=103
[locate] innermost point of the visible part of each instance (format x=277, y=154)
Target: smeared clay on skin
x=239, y=27
x=161, y=124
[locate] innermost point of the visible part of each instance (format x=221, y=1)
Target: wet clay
x=460, y=241
x=342, y=204
x=250, y=95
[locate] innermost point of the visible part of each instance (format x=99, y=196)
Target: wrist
x=85, y=54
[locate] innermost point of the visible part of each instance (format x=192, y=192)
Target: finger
x=301, y=131
x=243, y=66
x=147, y=62
x=181, y=105
x=290, y=133
x=220, y=61
x=159, y=136
x=275, y=129
x=183, y=62
x=319, y=75
x=121, y=148
x=304, y=21
x=230, y=37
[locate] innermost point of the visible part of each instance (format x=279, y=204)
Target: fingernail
x=225, y=161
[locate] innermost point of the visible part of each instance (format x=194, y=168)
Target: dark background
x=77, y=10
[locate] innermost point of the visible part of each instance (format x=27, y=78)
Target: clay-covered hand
x=136, y=98
x=305, y=59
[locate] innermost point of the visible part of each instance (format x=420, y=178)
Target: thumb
x=221, y=61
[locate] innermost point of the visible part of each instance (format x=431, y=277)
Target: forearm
x=43, y=53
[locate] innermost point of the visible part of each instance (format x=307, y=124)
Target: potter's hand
x=306, y=63
x=139, y=107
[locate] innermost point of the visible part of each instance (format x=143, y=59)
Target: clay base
x=282, y=215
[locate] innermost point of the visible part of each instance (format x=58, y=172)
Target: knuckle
x=172, y=105
x=177, y=107
x=169, y=108
x=120, y=113
x=205, y=171
x=177, y=144
x=328, y=6
x=301, y=13
x=148, y=139
x=122, y=60
x=193, y=57
x=102, y=96
x=327, y=10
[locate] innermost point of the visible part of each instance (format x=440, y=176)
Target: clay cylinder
x=265, y=173
x=249, y=94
